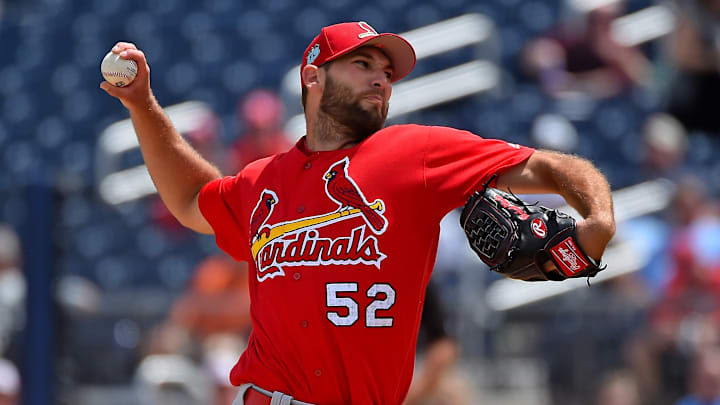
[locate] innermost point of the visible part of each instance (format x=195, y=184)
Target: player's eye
x=388, y=74
x=362, y=63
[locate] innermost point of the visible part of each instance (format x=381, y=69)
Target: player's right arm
x=177, y=170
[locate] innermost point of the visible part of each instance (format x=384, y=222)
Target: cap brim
x=397, y=49
x=400, y=52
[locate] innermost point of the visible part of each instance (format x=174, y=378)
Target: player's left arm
x=578, y=181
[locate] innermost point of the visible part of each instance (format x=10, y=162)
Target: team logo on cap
x=369, y=31
x=313, y=54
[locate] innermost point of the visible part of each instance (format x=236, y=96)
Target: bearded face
x=339, y=102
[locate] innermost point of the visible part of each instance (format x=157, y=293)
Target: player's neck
x=324, y=133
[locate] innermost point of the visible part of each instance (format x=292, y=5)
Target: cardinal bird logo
x=262, y=212
x=342, y=189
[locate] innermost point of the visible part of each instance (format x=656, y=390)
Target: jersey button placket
x=308, y=165
x=318, y=372
x=297, y=276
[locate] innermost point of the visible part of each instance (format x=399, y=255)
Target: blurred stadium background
x=104, y=265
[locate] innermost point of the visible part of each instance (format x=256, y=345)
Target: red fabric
x=317, y=255
x=340, y=39
x=253, y=397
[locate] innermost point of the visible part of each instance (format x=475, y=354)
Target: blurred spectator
x=220, y=352
x=12, y=288
x=9, y=383
x=582, y=56
x=694, y=51
x=202, y=338
x=263, y=116
x=169, y=379
x=695, y=253
x=664, y=147
x=618, y=388
x=170, y=338
x=704, y=378
x=78, y=295
x=217, y=300
x=439, y=351
x=652, y=235
x=554, y=132
x=686, y=314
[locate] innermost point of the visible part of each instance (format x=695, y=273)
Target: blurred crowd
x=648, y=337
x=12, y=314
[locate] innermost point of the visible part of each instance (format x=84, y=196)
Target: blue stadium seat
x=17, y=108
x=76, y=211
x=534, y=16
x=141, y=24
x=109, y=8
x=31, y=53
x=112, y=272
x=335, y=5
x=165, y=8
x=612, y=121
x=12, y=78
x=373, y=15
x=86, y=24
x=180, y=78
x=78, y=105
x=208, y=48
x=92, y=241
x=174, y=271
x=4, y=136
x=50, y=133
x=240, y=76
x=421, y=14
x=220, y=7
x=195, y=24
x=66, y=77
x=307, y=22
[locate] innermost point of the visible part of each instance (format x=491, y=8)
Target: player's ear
x=311, y=76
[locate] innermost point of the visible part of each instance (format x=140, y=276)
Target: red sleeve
x=221, y=207
x=457, y=163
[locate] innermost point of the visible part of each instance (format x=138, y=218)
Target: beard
x=339, y=103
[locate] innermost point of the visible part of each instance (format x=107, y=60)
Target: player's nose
x=380, y=80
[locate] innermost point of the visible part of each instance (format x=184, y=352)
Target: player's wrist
x=142, y=105
x=602, y=226
x=594, y=234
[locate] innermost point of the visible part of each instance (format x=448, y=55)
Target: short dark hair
x=325, y=66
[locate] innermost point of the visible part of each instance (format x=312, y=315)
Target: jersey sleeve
x=457, y=163
x=220, y=205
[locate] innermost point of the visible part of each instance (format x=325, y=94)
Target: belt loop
x=278, y=398
x=240, y=397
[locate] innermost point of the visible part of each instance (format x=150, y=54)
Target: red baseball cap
x=339, y=39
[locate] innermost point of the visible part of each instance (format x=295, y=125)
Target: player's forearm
x=585, y=188
x=576, y=179
x=177, y=170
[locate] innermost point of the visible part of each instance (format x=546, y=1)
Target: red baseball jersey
x=341, y=245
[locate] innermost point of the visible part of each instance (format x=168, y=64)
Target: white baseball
x=117, y=70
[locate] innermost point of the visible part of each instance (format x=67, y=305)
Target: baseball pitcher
x=341, y=231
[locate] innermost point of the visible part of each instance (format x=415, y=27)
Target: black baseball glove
x=516, y=239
